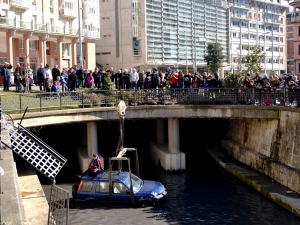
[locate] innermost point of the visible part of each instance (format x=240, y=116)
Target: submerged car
x=95, y=189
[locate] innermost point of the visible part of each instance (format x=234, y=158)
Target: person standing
x=48, y=83
x=41, y=76
x=80, y=77
x=63, y=83
x=174, y=79
x=118, y=80
x=111, y=74
x=133, y=78
x=187, y=80
x=90, y=80
x=5, y=72
x=55, y=72
x=72, y=80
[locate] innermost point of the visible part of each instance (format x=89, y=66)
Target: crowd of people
x=55, y=80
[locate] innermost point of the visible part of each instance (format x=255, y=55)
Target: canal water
x=204, y=194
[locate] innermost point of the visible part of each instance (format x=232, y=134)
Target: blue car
x=95, y=189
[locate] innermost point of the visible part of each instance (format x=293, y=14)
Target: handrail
x=17, y=103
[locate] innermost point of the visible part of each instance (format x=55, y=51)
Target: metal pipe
x=80, y=37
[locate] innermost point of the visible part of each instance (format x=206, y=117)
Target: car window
x=86, y=186
x=119, y=188
x=102, y=187
x=136, y=183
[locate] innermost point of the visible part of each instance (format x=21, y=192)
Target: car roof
x=104, y=176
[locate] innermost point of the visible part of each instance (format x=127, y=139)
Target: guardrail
x=17, y=103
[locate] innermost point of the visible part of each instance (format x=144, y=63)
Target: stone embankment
x=268, y=187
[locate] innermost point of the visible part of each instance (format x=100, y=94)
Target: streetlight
x=80, y=38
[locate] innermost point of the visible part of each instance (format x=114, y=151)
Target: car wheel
x=145, y=203
x=74, y=191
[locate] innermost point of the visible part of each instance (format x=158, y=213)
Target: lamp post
x=80, y=37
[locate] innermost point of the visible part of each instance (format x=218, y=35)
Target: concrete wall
x=269, y=146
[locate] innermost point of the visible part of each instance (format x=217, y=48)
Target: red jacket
x=99, y=166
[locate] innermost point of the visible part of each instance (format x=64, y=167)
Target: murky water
x=204, y=194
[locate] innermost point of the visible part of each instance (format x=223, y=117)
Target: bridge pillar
x=89, y=146
x=160, y=131
x=167, y=155
x=92, y=139
x=173, y=135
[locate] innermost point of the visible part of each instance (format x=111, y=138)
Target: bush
x=234, y=80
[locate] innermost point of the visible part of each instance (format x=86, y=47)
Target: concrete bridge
x=264, y=138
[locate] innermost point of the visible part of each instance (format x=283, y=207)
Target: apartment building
x=160, y=33
x=290, y=43
x=295, y=21
x=263, y=23
x=40, y=31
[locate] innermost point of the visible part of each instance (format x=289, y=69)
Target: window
x=65, y=49
x=299, y=67
x=244, y=36
x=244, y=25
x=298, y=49
x=119, y=188
x=55, y=48
x=261, y=27
x=235, y=24
x=48, y=47
x=102, y=187
x=268, y=60
x=51, y=9
x=21, y=46
x=234, y=35
x=275, y=60
x=87, y=186
x=252, y=26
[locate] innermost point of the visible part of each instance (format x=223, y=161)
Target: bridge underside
x=148, y=112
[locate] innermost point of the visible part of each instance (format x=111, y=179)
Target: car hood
x=152, y=186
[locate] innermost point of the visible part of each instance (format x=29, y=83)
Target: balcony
x=272, y=21
x=295, y=19
x=19, y=4
x=244, y=17
x=239, y=5
x=92, y=34
x=4, y=22
x=68, y=13
x=25, y=25
x=40, y=27
x=55, y=29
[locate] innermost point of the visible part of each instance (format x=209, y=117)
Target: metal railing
x=17, y=103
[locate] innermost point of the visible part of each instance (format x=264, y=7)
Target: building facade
x=160, y=33
x=295, y=20
x=40, y=31
x=259, y=22
x=290, y=44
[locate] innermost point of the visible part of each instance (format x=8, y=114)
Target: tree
x=214, y=57
x=107, y=83
x=234, y=79
x=253, y=59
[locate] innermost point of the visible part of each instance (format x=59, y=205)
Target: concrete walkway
x=261, y=183
x=33, y=198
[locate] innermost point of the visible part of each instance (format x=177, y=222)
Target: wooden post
x=110, y=181
x=131, y=187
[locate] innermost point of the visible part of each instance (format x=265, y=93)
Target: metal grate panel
x=58, y=206
x=35, y=151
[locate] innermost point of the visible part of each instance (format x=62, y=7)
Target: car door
x=120, y=193
x=86, y=191
x=102, y=191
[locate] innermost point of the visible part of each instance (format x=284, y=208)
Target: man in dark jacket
x=41, y=76
x=80, y=76
x=5, y=71
x=55, y=73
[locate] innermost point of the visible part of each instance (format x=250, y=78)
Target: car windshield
x=136, y=183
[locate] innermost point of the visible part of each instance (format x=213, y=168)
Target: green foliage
x=234, y=80
x=214, y=57
x=108, y=84
x=253, y=59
